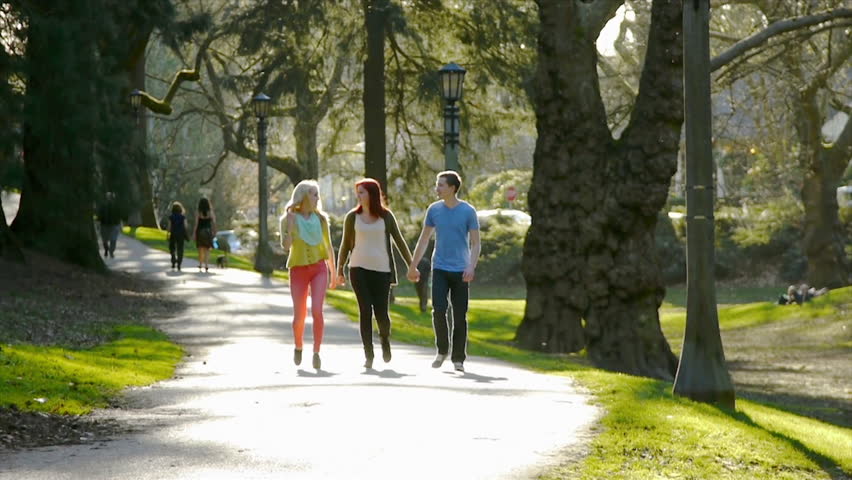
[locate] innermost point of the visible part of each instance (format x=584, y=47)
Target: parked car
x=844, y=196
x=227, y=239
x=517, y=216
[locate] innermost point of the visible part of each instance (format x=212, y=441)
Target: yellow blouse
x=303, y=253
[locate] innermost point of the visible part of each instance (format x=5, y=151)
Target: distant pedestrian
x=305, y=234
x=204, y=232
x=178, y=234
x=367, y=233
x=454, y=260
x=109, y=217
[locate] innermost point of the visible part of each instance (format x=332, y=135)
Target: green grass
x=646, y=432
x=64, y=381
x=673, y=319
x=649, y=433
x=727, y=294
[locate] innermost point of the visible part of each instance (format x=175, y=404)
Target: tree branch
x=164, y=106
x=775, y=29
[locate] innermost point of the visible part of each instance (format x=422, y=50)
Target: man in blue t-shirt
x=453, y=264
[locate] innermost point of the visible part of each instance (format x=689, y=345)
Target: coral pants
x=302, y=278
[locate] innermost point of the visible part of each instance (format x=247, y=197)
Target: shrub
x=491, y=192
x=502, y=249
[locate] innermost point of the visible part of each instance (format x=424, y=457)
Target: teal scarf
x=310, y=229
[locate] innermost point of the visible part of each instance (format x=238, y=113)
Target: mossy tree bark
x=592, y=279
x=57, y=197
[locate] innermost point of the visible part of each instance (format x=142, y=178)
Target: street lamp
x=136, y=102
x=263, y=257
x=452, y=84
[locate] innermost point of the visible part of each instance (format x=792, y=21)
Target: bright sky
x=610, y=32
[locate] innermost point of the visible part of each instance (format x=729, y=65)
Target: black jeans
x=449, y=287
x=372, y=289
x=176, y=249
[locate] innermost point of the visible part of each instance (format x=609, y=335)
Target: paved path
x=239, y=408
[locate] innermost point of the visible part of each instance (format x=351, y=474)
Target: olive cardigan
x=391, y=229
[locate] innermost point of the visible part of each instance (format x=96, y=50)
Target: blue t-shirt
x=452, y=240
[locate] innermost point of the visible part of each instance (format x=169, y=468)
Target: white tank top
x=370, y=252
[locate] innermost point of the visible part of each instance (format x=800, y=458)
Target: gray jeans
x=109, y=235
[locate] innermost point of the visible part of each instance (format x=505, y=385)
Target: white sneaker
x=459, y=366
x=439, y=360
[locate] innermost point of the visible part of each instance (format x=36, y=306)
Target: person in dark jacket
x=178, y=234
x=110, y=223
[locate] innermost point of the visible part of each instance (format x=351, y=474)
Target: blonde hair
x=300, y=192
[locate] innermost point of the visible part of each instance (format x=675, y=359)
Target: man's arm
x=419, y=250
x=475, y=247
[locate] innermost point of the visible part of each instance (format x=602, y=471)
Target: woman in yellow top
x=304, y=231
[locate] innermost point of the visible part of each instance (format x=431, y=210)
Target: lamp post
x=452, y=83
x=263, y=256
x=136, y=102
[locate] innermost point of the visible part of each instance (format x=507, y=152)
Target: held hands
x=341, y=280
x=332, y=282
x=413, y=274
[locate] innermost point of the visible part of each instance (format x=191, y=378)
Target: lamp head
x=260, y=105
x=452, y=82
x=136, y=99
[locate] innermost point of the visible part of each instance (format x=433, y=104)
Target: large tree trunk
x=305, y=136
x=145, y=200
x=56, y=210
x=822, y=165
x=823, y=234
x=592, y=280
x=375, y=166
x=823, y=240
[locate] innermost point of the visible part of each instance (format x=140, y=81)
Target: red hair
x=374, y=190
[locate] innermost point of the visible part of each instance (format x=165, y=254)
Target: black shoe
x=368, y=363
x=297, y=356
x=386, y=350
x=111, y=255
x=106, y=253
x=317, y=363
